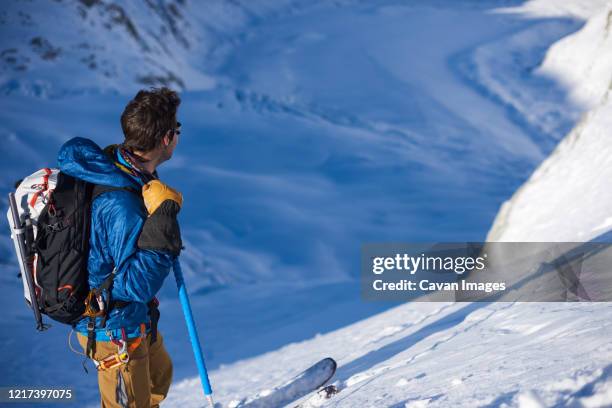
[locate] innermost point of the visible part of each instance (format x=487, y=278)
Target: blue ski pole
x=193, y=333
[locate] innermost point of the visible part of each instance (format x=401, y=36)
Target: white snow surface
x=582, y=61
x=310, y=128
x=571, y=184
x=57, y=48
x=465, y=355
x=547, y=8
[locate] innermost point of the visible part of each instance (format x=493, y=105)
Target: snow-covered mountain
x=55, y=48
x=309, y=129
x=524, y=355
x=312, y=136
x=51, y=48
x=568, y=197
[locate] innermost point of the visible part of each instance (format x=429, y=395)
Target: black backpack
x=55, y=213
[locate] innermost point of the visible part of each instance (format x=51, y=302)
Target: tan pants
x=143, y=382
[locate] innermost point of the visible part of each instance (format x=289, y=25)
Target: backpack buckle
x=55, y=227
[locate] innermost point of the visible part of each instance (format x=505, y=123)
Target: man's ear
x=166, y=140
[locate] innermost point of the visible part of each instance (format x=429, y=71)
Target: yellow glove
x=155, y=193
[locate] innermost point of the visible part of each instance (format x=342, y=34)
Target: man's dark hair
x=148, y=117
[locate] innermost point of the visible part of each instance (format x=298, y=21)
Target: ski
x=301, y=385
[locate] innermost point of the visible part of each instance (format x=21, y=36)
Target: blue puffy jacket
x=117, y=218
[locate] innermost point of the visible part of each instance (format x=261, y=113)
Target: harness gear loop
x=122, y=356
x=94, y=305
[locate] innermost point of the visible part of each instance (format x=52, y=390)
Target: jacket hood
x=83, y=159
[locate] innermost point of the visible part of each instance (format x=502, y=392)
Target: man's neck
x=148, y=161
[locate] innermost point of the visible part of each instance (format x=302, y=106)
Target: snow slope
x=487, y=355
x=53, y=49
x=568, y=197
x=316, y=137
x=441, y=355
x=581, y=62
x=309, y=129
x=43, y=58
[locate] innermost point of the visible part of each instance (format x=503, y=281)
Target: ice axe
x=163, y=204
x=18, y=235
x=193, y=333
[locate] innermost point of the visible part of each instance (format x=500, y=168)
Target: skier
x=134, y=241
